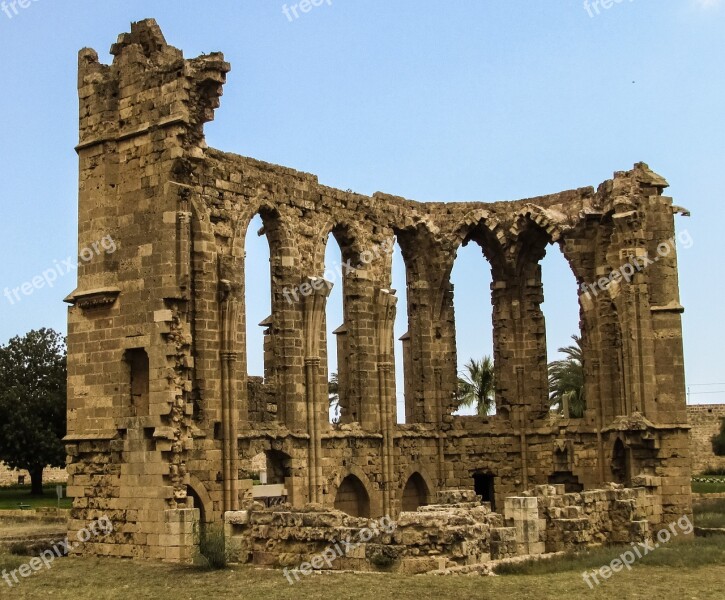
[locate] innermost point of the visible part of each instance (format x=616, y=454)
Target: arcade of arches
x=159, y=388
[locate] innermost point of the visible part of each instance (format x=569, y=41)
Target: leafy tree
x=718, y=441
x=476, y=386
x=566, y=380
x=333, y=392
x=33, y=403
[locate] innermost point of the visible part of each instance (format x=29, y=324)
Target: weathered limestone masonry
x=164, y=420
x=454, y=534
x=705, y=420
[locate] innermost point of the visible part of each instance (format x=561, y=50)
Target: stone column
x=229, y=311
x=385, y=319
x=314, y=312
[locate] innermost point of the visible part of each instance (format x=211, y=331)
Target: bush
x=714, y=471
x=212, y=548
x=33, y=548
x=382, y=557
x=19, y=549
x=382, y=561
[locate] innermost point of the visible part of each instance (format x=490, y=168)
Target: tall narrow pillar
x=314, y=312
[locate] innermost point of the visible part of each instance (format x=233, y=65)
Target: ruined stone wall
x=596, y=517
x=705, y=420
x=435, y=537
x=455, y=532
x=10, y=476
x=163, y=415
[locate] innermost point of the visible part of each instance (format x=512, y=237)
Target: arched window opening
x=338, y=346
x=403, y=355
x=258, y=323
x=352, y=498
x=471, y=279
x=563, y=335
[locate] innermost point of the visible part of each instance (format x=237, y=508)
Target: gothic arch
x=423, y=488
x=548, y=219
x=206, y=509
x=278, y=230
x=352, y=497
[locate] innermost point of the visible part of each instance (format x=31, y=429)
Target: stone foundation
x=442, y=537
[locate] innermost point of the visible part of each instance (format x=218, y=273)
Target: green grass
x=710, y=513
x=107, y=579
x=708, y=488
x=11, y=496
x=674, y=555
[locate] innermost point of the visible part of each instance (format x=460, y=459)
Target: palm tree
x=566, y=380
x=476, y=386
x=333, y=393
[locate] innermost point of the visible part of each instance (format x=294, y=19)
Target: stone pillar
x=519, y=343
x=229, y=311
x=523, y=513
x=180, y=539
x=384, y=322
x=314, y=313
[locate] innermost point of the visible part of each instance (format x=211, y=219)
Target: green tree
x=566, y=380
x=476, y=386
x=33, y=403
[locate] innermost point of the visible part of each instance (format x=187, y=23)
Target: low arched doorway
x=415, y=493
x=352, y=498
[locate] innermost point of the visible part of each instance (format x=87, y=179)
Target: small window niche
x=137, y=369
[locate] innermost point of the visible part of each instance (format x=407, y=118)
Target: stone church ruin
x=166, y=425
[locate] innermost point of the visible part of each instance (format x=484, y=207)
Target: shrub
x=381, y=560
x=714, y=471
x=19, y=549
x=212, y=548
x=382, y=557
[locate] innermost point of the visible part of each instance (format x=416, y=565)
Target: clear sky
x=459, y=100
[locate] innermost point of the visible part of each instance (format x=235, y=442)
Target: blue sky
x=460, y=100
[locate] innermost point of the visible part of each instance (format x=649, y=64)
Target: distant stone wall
x=705, y=420
x=9, y=476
